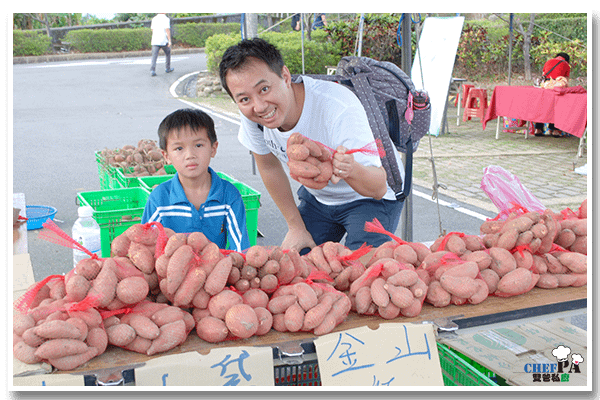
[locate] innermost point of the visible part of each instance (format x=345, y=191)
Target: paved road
x=65, y=111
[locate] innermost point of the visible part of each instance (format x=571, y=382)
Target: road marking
x=237, y=122
x=136, y=61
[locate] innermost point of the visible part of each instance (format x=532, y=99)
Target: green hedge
x=107, y=40
x=195, y=34
x=30, y=43
x=318, y=52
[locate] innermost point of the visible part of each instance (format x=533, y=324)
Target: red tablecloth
x=565, y=107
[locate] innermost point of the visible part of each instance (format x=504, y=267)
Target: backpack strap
x=380, y=131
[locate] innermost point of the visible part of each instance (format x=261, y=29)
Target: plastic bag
x=506, y=191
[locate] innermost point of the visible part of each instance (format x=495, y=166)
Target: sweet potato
x=77, y=288
x=123, y=267
x=104, y=287
x=461, y=286
x=22, y=322
x=198, y=241
x=91, y=316
x=201, y=299
x=88, y=268
x=520, y=224
x=179, y=264
x=132, y=290
x=413, y=310
x=363, y=300
x=210, y=256
x=167, y=315
x=144, y=234
x=508, y=239
x=171, y=335
x=265, y=321
x=211, y=329
x=297, y=152
x=223, y=301
x=142, y=257
x=318, y=259
x=547, y=281
x=390, y=311
x=481, y=257
x=56, y=348
x=216, y=281
x=467, y=268
x=437, y=296
x=456, y=245
x=57, y=329
x=175, y=242
x=256, y=298
x=314, y=316
x=379, y=294
x=404, y=278
x=294, y=317
x=287, y=271
x=579, y=245
x=25, y=353
x=491, y=226
x=481, y=293
x=524, y=238
x=401, y=296
x=565, y=238
x=81, y=325
x=575, y=262
x=406, y=254
x=191, y=284
x=120, y=334
x=491, y=278
x=515, y=282
x=144, y=326
x=31, y=338
x=68, y=363
x=278, y=304
x=241, y=320
x=307, y=298
x=502, y=261
x=257, y=256
x=303, y=169
x=97, y=338
x=554, y=266
x=119, y=246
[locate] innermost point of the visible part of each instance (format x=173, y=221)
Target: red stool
x=476, y=104
x=463, y=97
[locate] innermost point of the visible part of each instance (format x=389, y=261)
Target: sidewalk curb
x=96, y=56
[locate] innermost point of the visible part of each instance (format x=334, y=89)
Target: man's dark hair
x=237, y=55
x=186, y=117
x=565, y=56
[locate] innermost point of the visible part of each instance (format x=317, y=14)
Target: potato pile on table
x=159, y=286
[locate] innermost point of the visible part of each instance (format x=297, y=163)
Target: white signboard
x=434, y=62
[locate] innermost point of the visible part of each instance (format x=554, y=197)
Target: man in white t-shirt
x=273, y=107
x=161, y=39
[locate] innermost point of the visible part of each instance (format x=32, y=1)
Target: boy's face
x=189, y=151
x=262, y=96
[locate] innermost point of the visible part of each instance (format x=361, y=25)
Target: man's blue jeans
x=167, y=50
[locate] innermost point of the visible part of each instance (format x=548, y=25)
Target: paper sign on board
x=393, y=355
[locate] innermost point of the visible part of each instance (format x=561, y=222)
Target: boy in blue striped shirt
x=196, y=199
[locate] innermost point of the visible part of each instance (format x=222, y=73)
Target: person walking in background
x=319, y=22
x=161, y=39
x=296, y=22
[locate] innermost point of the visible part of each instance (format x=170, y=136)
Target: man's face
x=262, y=96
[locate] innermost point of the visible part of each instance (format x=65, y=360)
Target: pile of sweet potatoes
x=310, y=162
x=142, y=160
x=158, y=286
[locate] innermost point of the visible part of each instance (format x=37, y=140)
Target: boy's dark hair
x=186, y=117
x=237, y=55
x=565, y=56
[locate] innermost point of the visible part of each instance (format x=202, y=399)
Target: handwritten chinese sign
x=393, y=355
x=229, y=366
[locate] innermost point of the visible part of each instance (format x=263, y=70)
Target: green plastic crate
x=251, y=199
x=149, y=182
x=115, y=210
x=126, y=181
x=498, y=380
x=106, y=173
x=458, y=372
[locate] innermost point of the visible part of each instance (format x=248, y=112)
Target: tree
x=526, y=43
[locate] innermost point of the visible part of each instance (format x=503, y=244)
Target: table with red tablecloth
x=566, y=108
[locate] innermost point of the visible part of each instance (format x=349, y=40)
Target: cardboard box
x=527, y=354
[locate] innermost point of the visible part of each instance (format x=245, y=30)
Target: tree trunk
x=527, y=44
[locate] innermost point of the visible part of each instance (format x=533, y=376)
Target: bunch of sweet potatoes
x=143, y=159
x=310, y=162
x=389, y=288
x=316, y=308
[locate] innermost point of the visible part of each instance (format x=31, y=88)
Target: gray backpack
x=398, y=114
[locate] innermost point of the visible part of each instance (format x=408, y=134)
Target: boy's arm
x=278, y=186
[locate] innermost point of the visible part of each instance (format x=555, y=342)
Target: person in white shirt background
x=161, y=39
